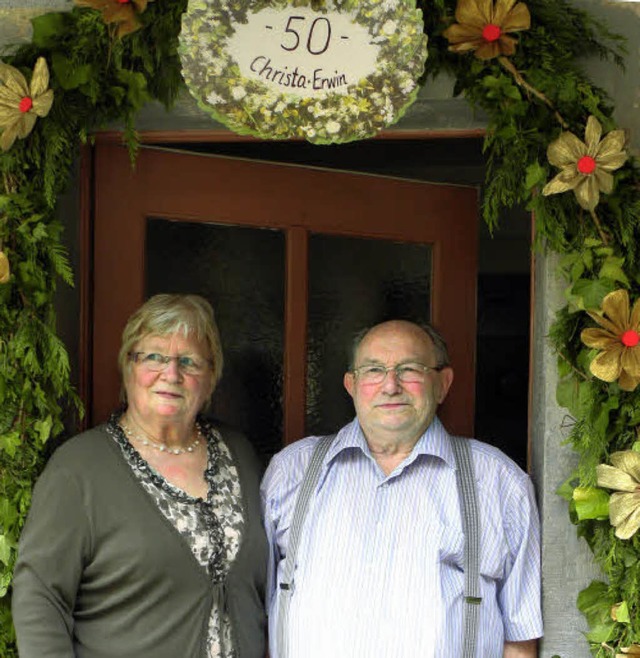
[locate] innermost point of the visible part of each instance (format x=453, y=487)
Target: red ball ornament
x=491, y=32
x=630, y=338
x=124, y=2
x=25, y=104
x=586, y=164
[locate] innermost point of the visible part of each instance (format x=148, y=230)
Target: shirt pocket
x=451, y=553
x=493, y=547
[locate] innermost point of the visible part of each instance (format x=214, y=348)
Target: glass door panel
x=256, y=237
x=241, y=272
x=355, y=283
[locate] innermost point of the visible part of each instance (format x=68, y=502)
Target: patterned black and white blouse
x=212, y=527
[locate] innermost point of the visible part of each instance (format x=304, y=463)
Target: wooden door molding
x=85, y=280
x=213, y=189
x=224, y=135
x=296, y=306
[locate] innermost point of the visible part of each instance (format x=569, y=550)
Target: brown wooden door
x=302, y=203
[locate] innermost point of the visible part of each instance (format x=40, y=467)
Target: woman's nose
x=172, y=371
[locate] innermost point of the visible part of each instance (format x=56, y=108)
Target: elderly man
x=380, y=564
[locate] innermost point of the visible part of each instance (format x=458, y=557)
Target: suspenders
x=307, y=489
x=468, y=499
x=465, y=480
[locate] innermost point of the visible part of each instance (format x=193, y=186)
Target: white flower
x=270, y=98
x=317, y=110
x=389, y=27
x=214, y=99
x=279, y=107
x=219, y=67
x=238, y=93
x=332, y=127
x=407, y=86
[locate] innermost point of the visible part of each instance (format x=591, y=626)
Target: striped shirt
x=380, y=561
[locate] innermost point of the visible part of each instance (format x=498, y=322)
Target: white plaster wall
x=15, y=17
x=567, y=566
x=623, y=86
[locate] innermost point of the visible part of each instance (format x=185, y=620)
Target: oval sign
x=290, y=70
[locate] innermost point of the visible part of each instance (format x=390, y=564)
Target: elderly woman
x=144, y=537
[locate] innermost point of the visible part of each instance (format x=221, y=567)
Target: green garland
x=98, y=79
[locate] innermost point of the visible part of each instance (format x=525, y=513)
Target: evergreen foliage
x=98, y=80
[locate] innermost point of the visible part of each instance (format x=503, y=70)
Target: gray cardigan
x=102, y=573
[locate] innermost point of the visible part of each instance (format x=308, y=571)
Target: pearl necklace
x=161, y=447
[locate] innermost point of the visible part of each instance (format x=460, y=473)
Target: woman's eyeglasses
x=154, y=362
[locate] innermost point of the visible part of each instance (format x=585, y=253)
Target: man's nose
x=391, y=383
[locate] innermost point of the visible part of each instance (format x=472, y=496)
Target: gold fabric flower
x=618, y=341
x=586, y=166
x=20, y=103
x=5, y=270
x=122, y=13
x=484, y=26
x=624, y=477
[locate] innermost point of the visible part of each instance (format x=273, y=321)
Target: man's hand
x=526, y=649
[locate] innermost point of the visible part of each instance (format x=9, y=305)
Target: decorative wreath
x=551, y=145
x=250, y=106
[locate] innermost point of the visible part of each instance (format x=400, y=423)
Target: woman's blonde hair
x=167, y=314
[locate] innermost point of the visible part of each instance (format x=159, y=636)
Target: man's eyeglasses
x=154, y=362
x=407, y=373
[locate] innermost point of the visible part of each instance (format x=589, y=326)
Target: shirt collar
x=435, y=442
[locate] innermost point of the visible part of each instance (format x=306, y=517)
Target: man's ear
x=445, y=377
x=349, y=382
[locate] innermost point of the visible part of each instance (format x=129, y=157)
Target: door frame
x=464, y=368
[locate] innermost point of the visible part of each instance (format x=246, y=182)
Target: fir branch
x=60, y=262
